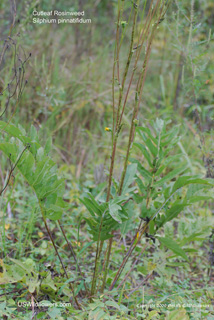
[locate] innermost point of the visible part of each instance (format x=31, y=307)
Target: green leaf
x=88, y=205
x=144, y=173
x=48, y=285
x=20, y=272
x=170, y=136
x=48, y=145
x=38, y=169
x=129, y=178
x=172, y=213
x=12, y=131
x=178, y=315
x=54, y=313
x=167, y=161
x=80, y=286
x=172, y=245
x=152, y=148
x=183, y=181
x=144, y=152
x=193, y=237
x=112, y=304
x=140, y=185
x=33, y=133
x=92, y=206
x=114, y=211
x=65, y=284
x=170, y=176
x=40, y=154
x=147, y=131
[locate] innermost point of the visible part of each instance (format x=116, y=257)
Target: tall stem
x=139, y=90
x=138, y=95
x=159, y=6
x=116, y=129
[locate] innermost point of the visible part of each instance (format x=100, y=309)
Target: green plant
x=155, y=150
x=154, y=16
x=39, y=171
x=137, y=245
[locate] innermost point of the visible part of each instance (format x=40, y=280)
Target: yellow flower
x=40, y=234
x=107, y=129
